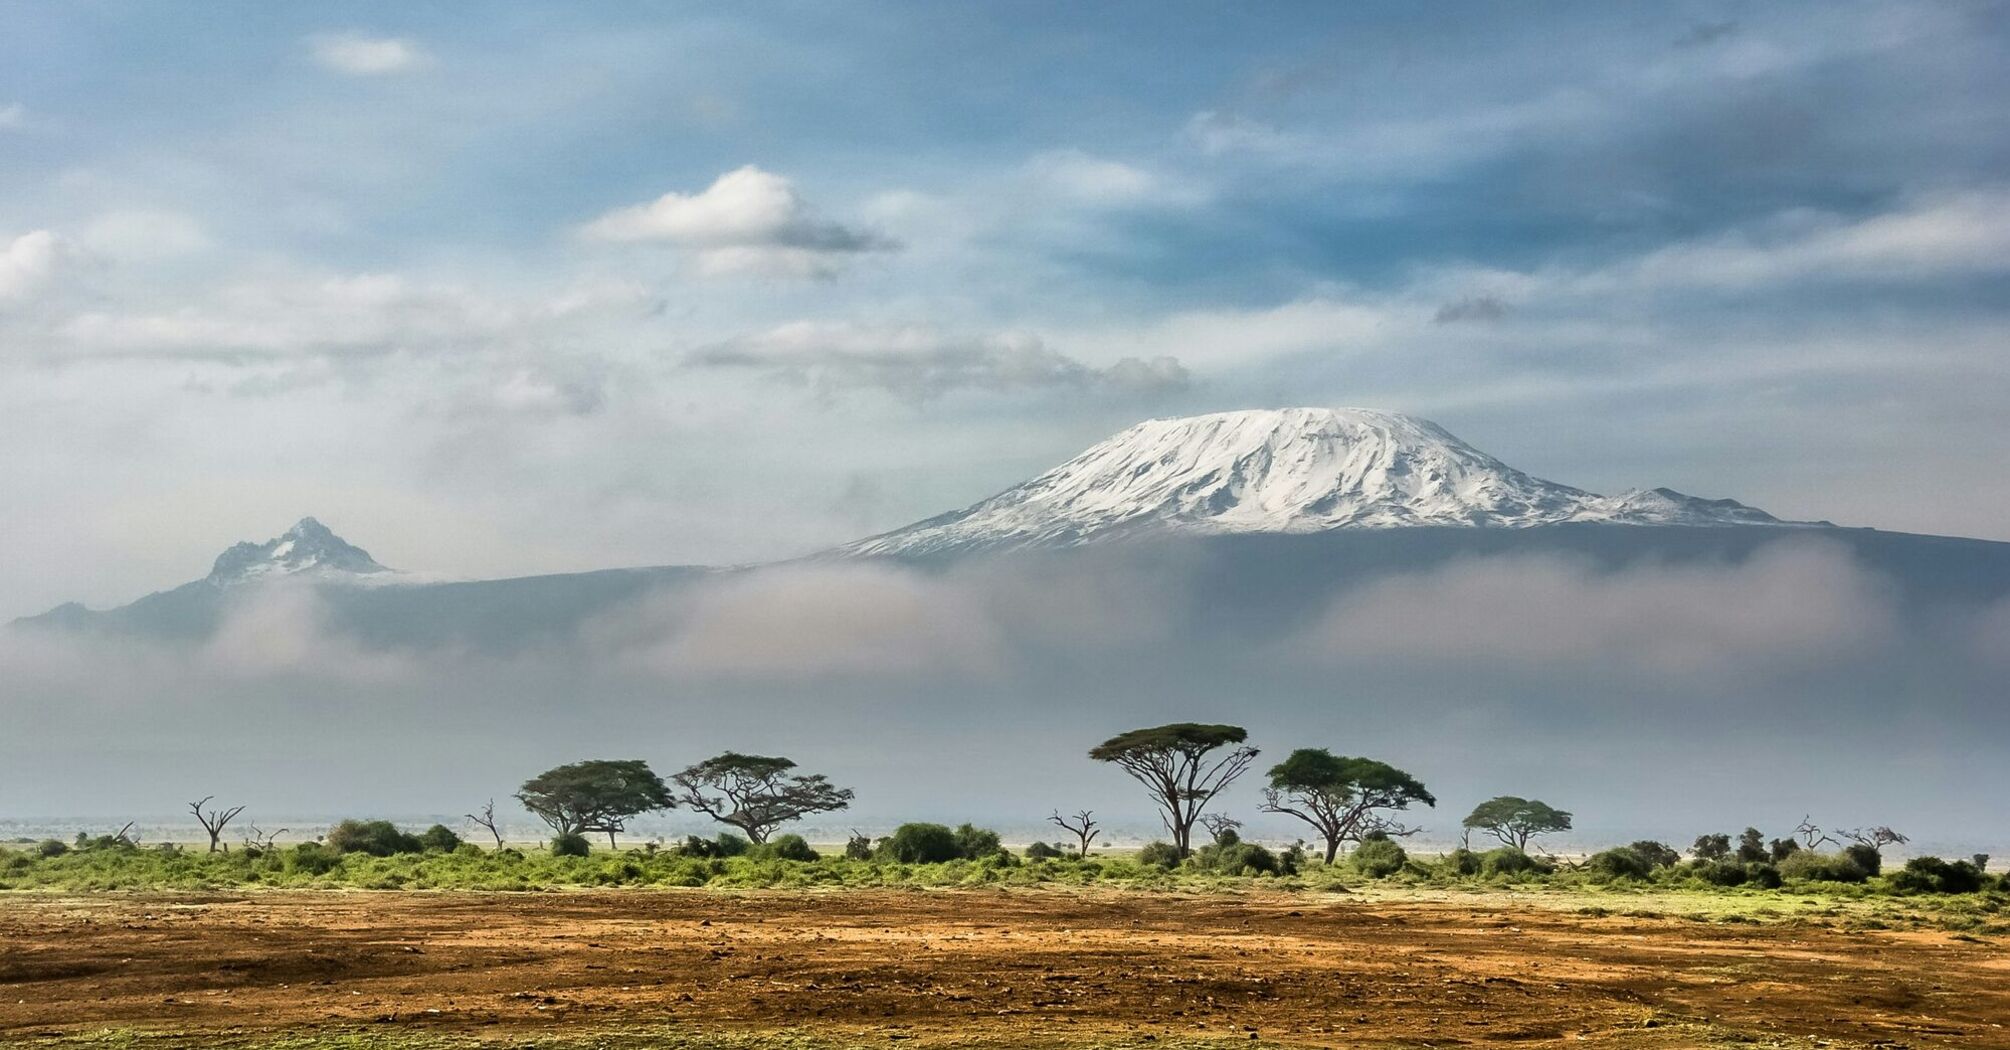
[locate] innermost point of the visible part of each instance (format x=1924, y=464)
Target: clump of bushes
x=1378, y=857
x=1159, y=855
x=1865, y=856
x=1934, y=875
x=725, y=844
x=439, y=839
x=1734, y=873
x=311, y=858
x=570, y=844
x=1510, y=861
x=1657, y=854
x=920, y=844
x=975, y=843
x=1625, y=862
x=1043, y=851
x=785, y=847
x=1235, y=857
x=378, y=838
x=1809, y=866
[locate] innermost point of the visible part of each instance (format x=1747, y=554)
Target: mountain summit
x=309, y=548
x=1292, y=470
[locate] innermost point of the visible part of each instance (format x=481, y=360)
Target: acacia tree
x=1516, y=820
x=1177, y=764
x=1082, y=825
x=214, y=820
x=598, y=795
x=1343, y=798
x=755, y=793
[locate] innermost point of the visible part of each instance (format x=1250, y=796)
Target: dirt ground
x=1028, y=967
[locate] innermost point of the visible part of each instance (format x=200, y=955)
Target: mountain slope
x=1293, y=470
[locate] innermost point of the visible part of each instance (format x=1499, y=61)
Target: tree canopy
x=755, y=793
x=1177, y=765
x=598, y=795
x=1516, y=820
x=1342, y=797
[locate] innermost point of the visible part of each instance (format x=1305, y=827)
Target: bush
x=1933, y=875
x=1159, y=855
x=1624, y=862
x=1462, y=861
x=378, y=838
x=975, y=843
x=1042, y=851
x=1235, y=858
x=786, y=847
x=311, y=858
x=857, y=847
x=572, y=844
x=1378, y=858
x=1719, y=872
x=51, y=848
x=920, y=844
x=1657, y=854
x=1508, y=860
x=440, y=838
x=1809, y=866
x=1865, y=856
x=1762, y=875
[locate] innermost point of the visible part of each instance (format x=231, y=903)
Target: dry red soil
x=1024, y=966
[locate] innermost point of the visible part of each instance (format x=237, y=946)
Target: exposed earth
x=981, y=967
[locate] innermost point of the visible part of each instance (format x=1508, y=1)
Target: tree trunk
x=1332, y=848
x=610, y=838
x=213, y=836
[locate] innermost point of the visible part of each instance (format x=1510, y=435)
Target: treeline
x=1183, y=769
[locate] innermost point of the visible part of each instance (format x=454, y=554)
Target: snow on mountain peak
x=1290, y=470
x=308, y=548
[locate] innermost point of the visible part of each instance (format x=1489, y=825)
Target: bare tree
x=1876, y=838
x=214, y=820
x=488, y=820
x=1811, y=834
x=1223, y=828
x=259, y=839
x=1082, y=825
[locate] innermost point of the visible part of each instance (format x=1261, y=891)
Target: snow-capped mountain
x=308, y=549
x=1294, y=470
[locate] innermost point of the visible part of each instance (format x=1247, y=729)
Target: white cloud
x=358, y=55
x=13, y=116
x=1089, y=179
x=747, y=220
x=144, y=235
x=30, y=261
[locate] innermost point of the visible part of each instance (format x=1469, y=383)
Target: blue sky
x=553, y=287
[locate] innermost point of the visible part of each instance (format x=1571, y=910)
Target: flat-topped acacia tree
x=1182, y=766
x=755, y=793
x=1342, y=798
x=1515, y=820
x=598, y=795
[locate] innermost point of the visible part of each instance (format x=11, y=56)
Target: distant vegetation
x=1183, y=767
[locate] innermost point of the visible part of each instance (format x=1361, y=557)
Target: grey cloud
x=1704, y=33
x=1472, y=308
x=920, y=363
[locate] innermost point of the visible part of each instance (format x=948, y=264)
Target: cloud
x=918, y=362
x=30, y=261
x=746, y=221
x=1703, y=33
x=1791, y=605
x=359, y=55
x=1471, y=308
x=1081, y=177
x=13, y=116
x=142, y=235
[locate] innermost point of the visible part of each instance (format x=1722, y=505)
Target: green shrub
x=920, y=844
x=1865, y=856
x=1378, y=858
x=1508, y=860
x=1042, y=851
x=571, y=844
x=439, y=838
x=1934, y=875
x=51, y=848
x=785, y=847
x=378, y=838
x=1235, y=858
x=310, y=858
x=975, y=843
x=857, y=847
x=1719, y=872
x=1624, y=862
x=1657, y=854
x=1159, y=855
x=1763, y=875
x=727, y=844
x=1807, y=865
x=1461, y=861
